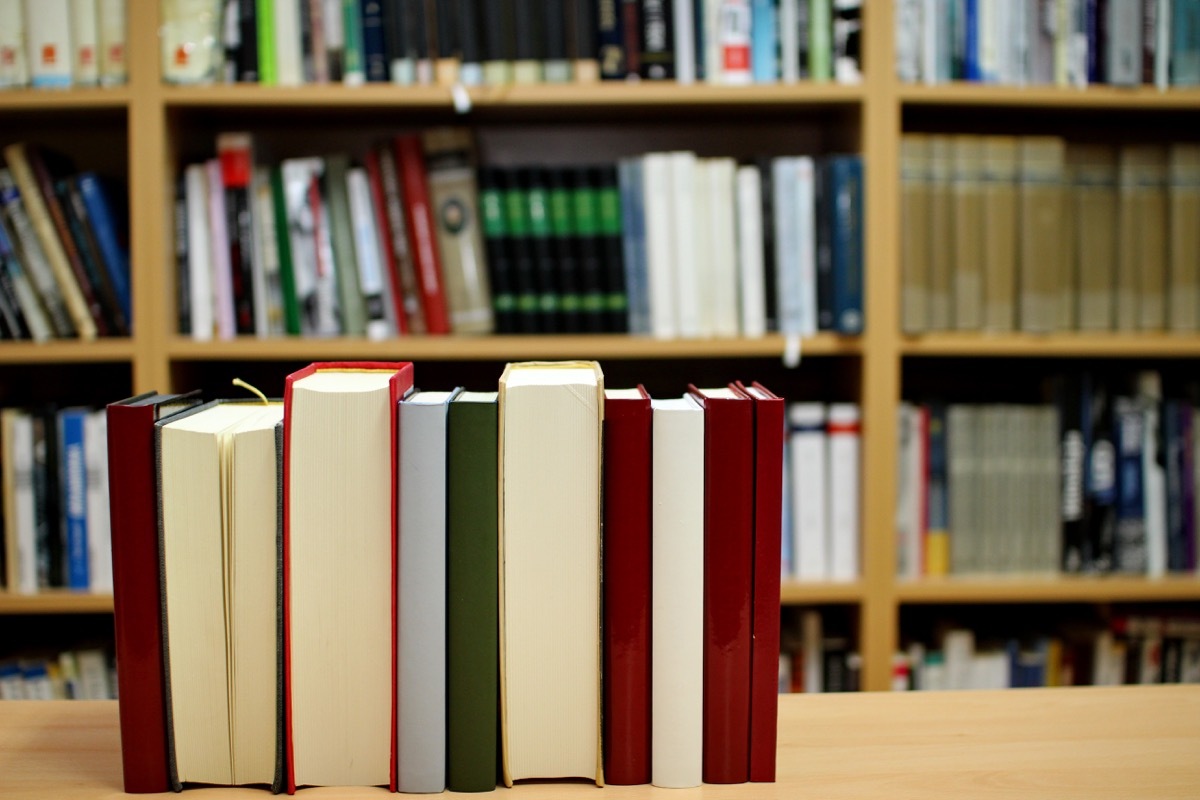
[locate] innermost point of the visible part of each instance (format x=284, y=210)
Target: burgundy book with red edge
x=410, y=159
x=137, y=605
x=728, y=581
x=627, y=559
x=347, y=683
x=768, y=530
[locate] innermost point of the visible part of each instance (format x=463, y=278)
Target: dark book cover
x=247, y=51
x=846, y=193
x=1130, y=553
x=374, y=39
x=554, y=39
x=562, y=221
x=47, y=494
x=499, y=257
x=104, y=207
x=823, y=205
x=524, y=280
x=1071, y=396
x=470, y=42
x=91, y=258
x=12, y=321
x=658, y=40
x=581, y=40
x=1176, y=439
x=499, y=30
x=616, y=298
x=445, y=28
x=1100, y=477
x=610, y=40
x=236, y=165
x=400, y=243
x=283, y=242
x=586, y=210
x=410, y=161
x=631, y=33
x=770, y=286
x=541, y=240
x=391, y=264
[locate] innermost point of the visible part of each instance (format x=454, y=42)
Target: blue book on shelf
x=1185, y=43
x=104, y=228
x=374, y=44
x=846, y=195
x=1091, y=25
x=1129, y=419
x=73, y=482
x=764, y=35
x=971, y=70
x=633, y=241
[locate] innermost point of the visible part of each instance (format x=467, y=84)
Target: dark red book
x=410, y=157
x=358, y=434
x=728, y=581
x=137, y=606
x=379, y=206
x=768, y=530
x=627, y=561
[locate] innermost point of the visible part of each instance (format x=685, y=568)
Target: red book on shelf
x=379, y=207
x=410, y=156
x=339, y=572
x=137, y=606
x=626, y=460
x=768, y=530
x=728, y=581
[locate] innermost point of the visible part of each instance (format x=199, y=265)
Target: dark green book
x=496, y=242
x=472, y=589
x=283, y=239
x=352, y=308
x=516, y=210
x=541, y=240
x=608, y=203
x=585, y=196
x=562, y=221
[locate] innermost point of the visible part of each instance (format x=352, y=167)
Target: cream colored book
x=1141, y=265
x=967, y=188
x=941, y=234
x=1183, y=222
x=914, y=233
x=1093, y=206
x=550, y=690
x=1000, y=233
x=1040, y=258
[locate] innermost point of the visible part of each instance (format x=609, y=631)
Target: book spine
x=73, y=482
x=31, y=257
x=585, y=202
x=582, y=41
x=421, y=225
x=633, y=36
x=820, y=40
x=499, y=41
x=315, y=57
x=384, y=238
x=610, y=35
x=49, y=43
x=733, y=42
x=528, y=41
x=14, y=61
x=183, y=282
x=499, y=258
x=268, y=291
x=353, y=54
x=683, y=44
x=1173, y=446
x=752, y=319
x=525, y=279
x=399, y=243
x=633, y=221
x=1130, y=554
x=556, y=67
x=268, y=60
x=764, y=27
x=608, y=207
x=401, y=62
x=788, y=288
x=470, y=29
x=374, y=44
x=71, y=201
x=562, y=221
x=1073, y=453
x=85, y=62
x=236, y=162
x=219, y=251
x=657, y=56
x=847, y=219
x=351, y=303
x=541, y=233
x=371, y=283
x=283, y=243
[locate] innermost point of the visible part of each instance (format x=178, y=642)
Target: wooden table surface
x=1094, y=743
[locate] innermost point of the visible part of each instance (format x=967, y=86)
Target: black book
x=308, y=63
x=90, y=256
x=616, y=300
x=1100, y=475
x=445, y=18
x=658, y=40
x=183, y=294
x=610, y=40
x=497, y=242
x=528, y=22
x=541, y=239
x=825, y=196
x=419, y=30
x=562, y=220
x=469, y=41
x=1176, y=430
x=770, y=293
x=516, y=209
x=51, y=553
x=499, y=30
x=554, y=41
x=12, y=323
x=1076, y=553
x=374, y=42
x=247, y=46
x=586, y=206
x=395, y=37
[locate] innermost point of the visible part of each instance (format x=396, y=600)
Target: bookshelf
x=147, y=130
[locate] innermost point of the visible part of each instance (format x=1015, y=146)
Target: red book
x=728, y=581
x=137, y=606
x=626, y=460
x=329, y=431
x=379, y=206
x=411, y=159
x=768, y=529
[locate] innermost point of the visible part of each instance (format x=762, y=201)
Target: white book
x=752, y=290
x=687, y=281
x=85, y=43
x=787, y=244
x=660, y=244
x=190, y=38
x=814, y=651
x=704, y=265
x=289, y=56
x=49, y=43
x=958, y=650
x=99, y=530
x=200, y=283
x=1162, y=45
x=421, y=593
x=929, y=41
x=1155, y=488
x=19, y=518
x=733, y=40
x=368, y=255
x=268, y=288
x=989, y=60
x=909, y=487
x=677, y=618
x=14, y=55
x=789, y=39
x=843, y=432
x=114, y=66
x=219, y=264
x=723, y=283
x=806, y=221
x=685, y=41
x=809, y=464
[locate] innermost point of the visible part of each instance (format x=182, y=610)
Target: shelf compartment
x=1048, y=589
x=67, y=351
x=1058, y=345
x=55, y=602
x=797, y=593
x=505, y=348
x=1049, y=97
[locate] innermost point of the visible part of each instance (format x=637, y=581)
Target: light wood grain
x=1142, y=98
x=56, y=602
x=1057, y=744
x=66, y=351
x=1060, y=345
x=1049, y=589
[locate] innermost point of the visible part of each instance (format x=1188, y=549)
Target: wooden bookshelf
x=866, y=118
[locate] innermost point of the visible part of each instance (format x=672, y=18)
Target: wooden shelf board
x=66, y=351
x=55, y=602
x=1048, y=589
x=797, y=593
x=506, y=348
x=610, y=94
x=1093, y=97
x=64, y=99
x=1099, y=345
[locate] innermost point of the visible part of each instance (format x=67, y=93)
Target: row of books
x=394, y=644
x=822, y=497
x=54, y=467
x=471, y=42
x=64, y=266
x=814, y=660
x=1049, y=42
x=414, y=239
x=1040, y=235
x=59, y=44
x=87, y=674
x=1132, y=649
x=1102, y=481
